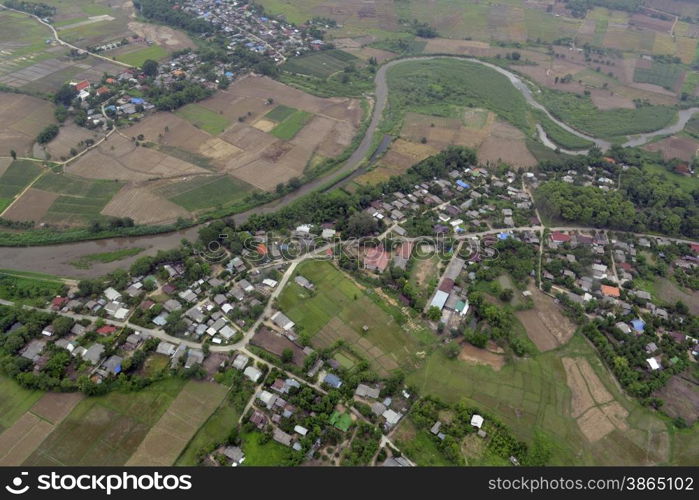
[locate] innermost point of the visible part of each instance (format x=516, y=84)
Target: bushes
x=47, y=134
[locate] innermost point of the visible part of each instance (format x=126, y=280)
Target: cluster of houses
x=244, y=26
x=597, y=272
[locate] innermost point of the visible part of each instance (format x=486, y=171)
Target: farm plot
x=532, y=396
x=140, y=55
x=668, y=76
x=106, y=430
x=681, y=398
x=290, y=126
x=14, y=401
x=31, y=206
x=321, y=64
x=22, y=117
x=341, y=310
x=203, y=192
x=21, y=439
x=545, y=324
x=71, y=136
x=16, y=177
x=506, y=144
x=170, y=435
x=683, y=148
x=203, y=118
x=144, y=206
x=79, y=200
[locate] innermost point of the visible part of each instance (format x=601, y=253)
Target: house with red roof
x=376, y=259
x=695, y=247
x=80, y=86
x=106, y=330
x=610, y=291
x=558, y=237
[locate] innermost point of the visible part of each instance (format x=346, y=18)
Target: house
x=610, y=291
x=376, y=259
x=558, y=237
x=112, y=294
x=252, y=373
x=300, y=430
x=439, y=299
x=234, y=454
x=194, y=357
x=171, y=305
x=653, y=364
x=81, y=86
x=333, y=380
x=477, y=421
x=282, y=437
x=435, y=428
x=638, y=325
x=113, y=365
x=94, y=353
x=623, y=327
x=403, y=255
x=392, y=417
x=33, y=349
x=166, y=348
x=240, y=361
x=282, y=321
x=396, y=462
x=48, y=331
x=364, y=391
x=303, y=282
x=106, y=330
x=267, y=398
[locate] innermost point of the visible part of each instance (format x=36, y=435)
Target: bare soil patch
x=603, y=99
x=21, y=118
x=683, y=148
x=681, y=397
x=31, y=206
x=54, y=406
x=473, y=354
x=69, y=137
x=546, y=326
x=162, y=35
x=506, y=144
x=143, y=206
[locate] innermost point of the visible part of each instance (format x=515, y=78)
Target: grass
x=86, y=261
x=419, y=445
x=81, y=200
x=661, y=74
x=338, y=298
x=531, y=395
x=14, y=401
x=214, y=431
x=442, y=87
x=138, y=57
x=320, y=64
x=541, y=152
x=579, y=112
x=106, y=430
x=31, y=291
x=204, y=192
x=32, y=275
x=280, y=113
x=560, y=136
x=203, y=118
x=291, y=125
x=690, y=83
x=269, y=454
x=17, y=177
x=686, y=183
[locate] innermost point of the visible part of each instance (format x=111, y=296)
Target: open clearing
x=531, y=395
x=473, y=354
x=681, y=397
x=546, y=325
x=170, y=435
x=339, y=309
x=683, y=148
x=22, y=117
x=106, y=430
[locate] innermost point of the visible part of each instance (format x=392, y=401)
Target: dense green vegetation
x=162, y=11
x=291, y=125
x=320, y=64
x=579, y=112
x=28, y=290
x=442, y=87
x=562, y=137
x=37, y=8
x=646, y=201
x=662, y=74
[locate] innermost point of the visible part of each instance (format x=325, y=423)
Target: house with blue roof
x=462, y=184
x=333, y=381
x=137, y=100
x=638, y=325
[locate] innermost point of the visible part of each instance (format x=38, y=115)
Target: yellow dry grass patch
x=264, y=125
x=218, y=149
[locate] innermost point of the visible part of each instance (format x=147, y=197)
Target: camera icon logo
x=16, y=487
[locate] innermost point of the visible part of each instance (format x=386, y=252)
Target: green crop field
x=442, y=87
x=203, y=118
x=321, y=64
x=339, y=307
x=531, y=395
x=579, y=112
x=106, y=430
x=14, y=401
x=280, y=113
x=138, y=57
x=17, y=176
x=663, y=75
x=204, y=192
x=81, y=200
x=291, y=125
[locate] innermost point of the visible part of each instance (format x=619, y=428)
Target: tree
x=287, y=355
x=47, y=134
x=65, y=95
x=434, y=313
x=62, y=325
x=506, y=295
x=150, y=67
x=13, y=154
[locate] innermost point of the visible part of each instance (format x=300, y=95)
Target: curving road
x=55, y=259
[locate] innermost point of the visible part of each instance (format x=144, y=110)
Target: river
x=56, y=259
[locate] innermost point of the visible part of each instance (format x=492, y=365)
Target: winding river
x=55, y=259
